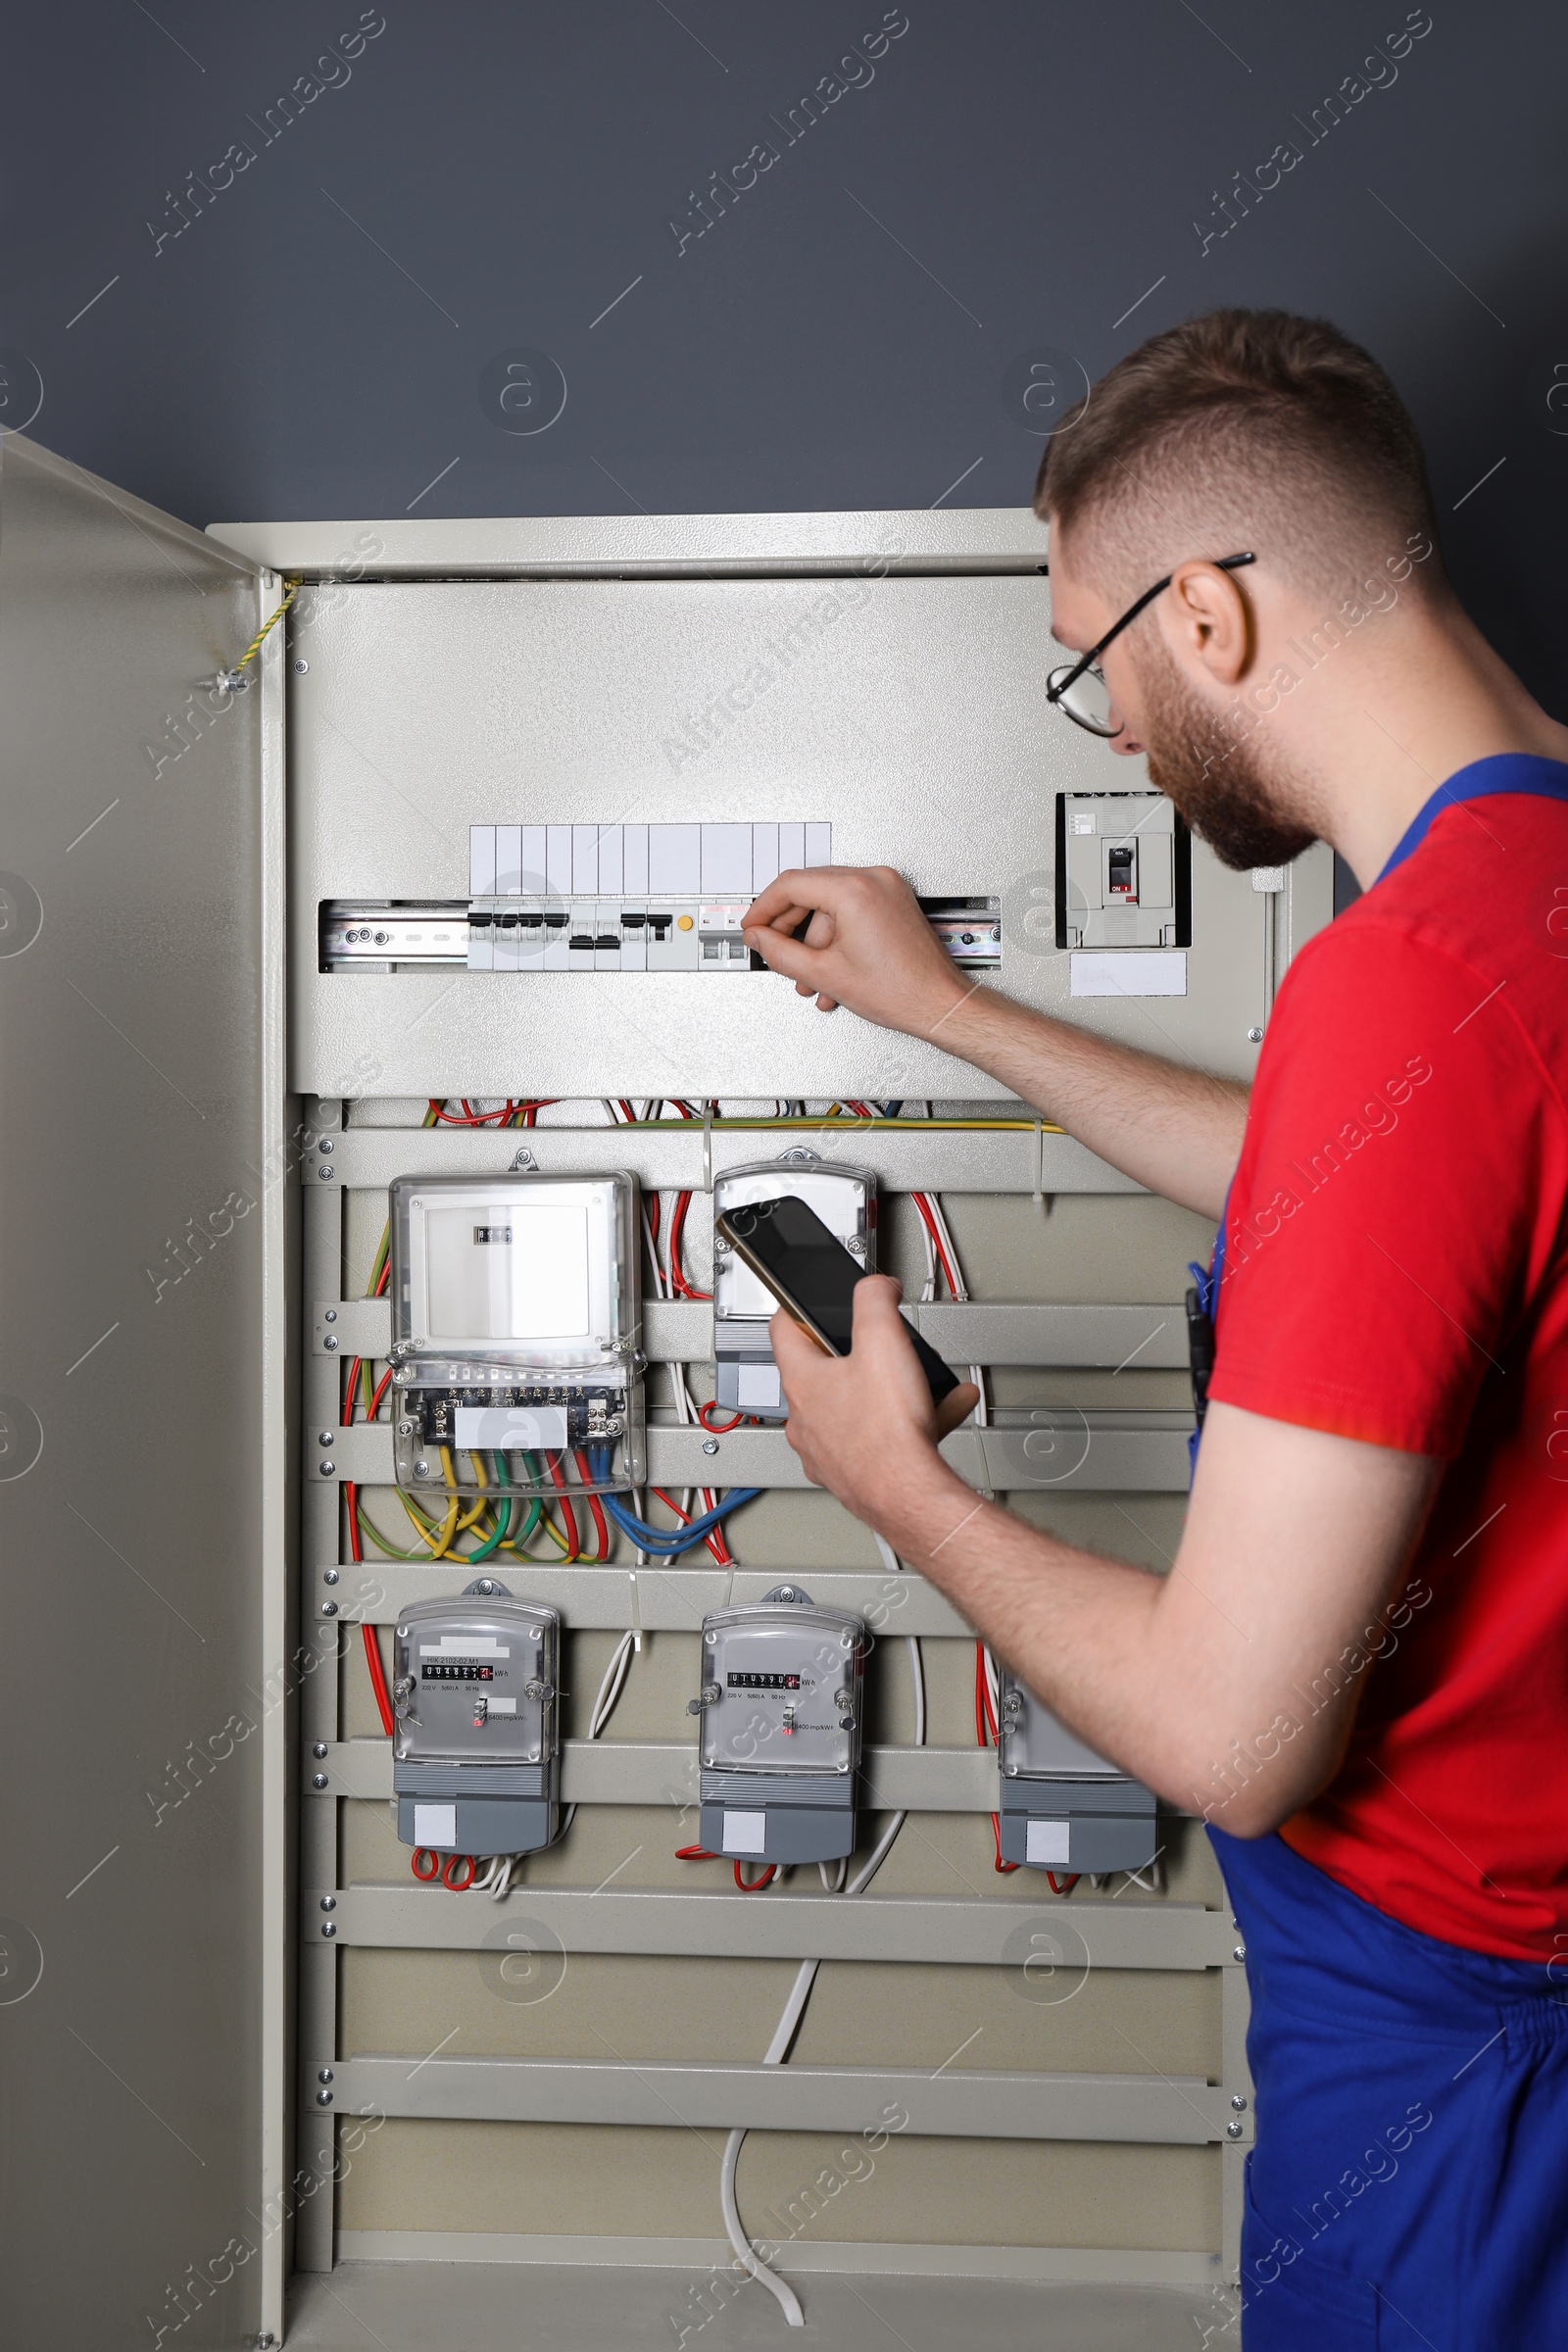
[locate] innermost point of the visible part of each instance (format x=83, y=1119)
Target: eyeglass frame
x=1054, y=693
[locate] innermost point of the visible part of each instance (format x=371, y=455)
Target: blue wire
x=666, y=1539
x=670, y=1540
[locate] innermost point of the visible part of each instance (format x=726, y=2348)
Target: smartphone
x=812, y=1276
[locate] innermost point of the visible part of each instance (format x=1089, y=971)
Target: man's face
x=1224, y=783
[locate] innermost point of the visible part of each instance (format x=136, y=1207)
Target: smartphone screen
x=811, y=1274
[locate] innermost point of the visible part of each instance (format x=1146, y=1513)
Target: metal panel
x=1062, y=1451
x=658, y=1599
x=1001, y=1931
x=967, y=539
x=584, y=2256
x=663, y=1771
x=680, y=1331
x=142, y=1302
x=1174, y=2110
x=681, y=1156
x=432, y=706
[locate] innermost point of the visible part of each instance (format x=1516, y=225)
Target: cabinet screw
x=327, y=1469
x=324, y=2098
x=1233, y=2131
x=330, y=1315
x=1238, y=2102
x=1255, y=1037
x=710, y=1445
x=319, y=1751
x=328, y=1928
x=330, y=1340
x=330, y=1576
x=325, y=2075
x=330, y=1609
x=1240, y=1953
x=324, y=1173
x=299, y=667
x=327, y=1145
x=317, y=1779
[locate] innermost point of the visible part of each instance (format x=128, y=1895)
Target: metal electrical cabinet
x=222, y=1996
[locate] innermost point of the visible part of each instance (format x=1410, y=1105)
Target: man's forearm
x=1093, y=1638
x=1178, y=1131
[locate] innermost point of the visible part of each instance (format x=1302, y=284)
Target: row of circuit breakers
x=670, y=898
x=517, y=1372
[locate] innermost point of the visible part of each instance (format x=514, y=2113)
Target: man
x=1357, y=1671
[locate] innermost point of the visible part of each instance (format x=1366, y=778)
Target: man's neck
x=1379, y=735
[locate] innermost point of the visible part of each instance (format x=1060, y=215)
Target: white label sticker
x=512, y=1428
x=464, y=1645
x=1129, y=972
x=1045, y=1842
x=435, y=1825
x=756, y=1386
x=745, y=1832
x=499, y=1706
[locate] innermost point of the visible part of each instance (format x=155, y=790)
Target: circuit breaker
x=1063, y=1808
x=780, y=1706
x=515, y=1366
x=1123, y=871
x=476, y=1754
x=845, y=1199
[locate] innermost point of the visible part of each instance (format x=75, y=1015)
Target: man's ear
x=1206, y=619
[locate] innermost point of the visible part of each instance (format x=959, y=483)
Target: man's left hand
x=864, y=1424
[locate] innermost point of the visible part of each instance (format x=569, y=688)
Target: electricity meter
x=845, y=1199
x=1063, y=1808
x=476, y=1755
x=514, y=1334
x=780, y=1705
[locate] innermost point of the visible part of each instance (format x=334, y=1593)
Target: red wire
x=566, y=1507
x=378, y=1674
x=717, y=1427
x=755, y=1886
x=1068, y=1884
x=677, y=1273
x=695, y=1853
x=929, y=1220
x=424, y=1877
x=716, y=1547
x=600, y=1529
x=453, y=1864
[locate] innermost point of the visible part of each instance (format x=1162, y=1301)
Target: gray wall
x=1014, y=177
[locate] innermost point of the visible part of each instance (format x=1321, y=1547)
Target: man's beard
x=1218, y=784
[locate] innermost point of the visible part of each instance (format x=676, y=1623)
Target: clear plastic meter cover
x=526, y=1269
x=514, y=1314
x=787, y=1683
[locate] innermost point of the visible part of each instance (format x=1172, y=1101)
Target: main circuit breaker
x=781, y=1705
x=845, y=1199
x=1063, y=1808
x=1123, y=871
x=514, y=1306
x=474, y=1744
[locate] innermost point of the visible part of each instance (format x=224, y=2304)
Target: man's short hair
x=1241, y=430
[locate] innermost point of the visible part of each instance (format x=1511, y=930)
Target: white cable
x=794, y=2009
x=599, y=1714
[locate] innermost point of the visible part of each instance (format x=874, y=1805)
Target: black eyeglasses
x=1078, y=688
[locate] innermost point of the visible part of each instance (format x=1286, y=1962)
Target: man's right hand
x=868, y=945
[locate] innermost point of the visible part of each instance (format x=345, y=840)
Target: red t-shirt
x=1396, y=1271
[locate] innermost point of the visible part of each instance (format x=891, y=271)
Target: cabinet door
x=142, y=1391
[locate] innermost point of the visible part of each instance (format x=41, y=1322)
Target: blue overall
x=1410, y=2185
